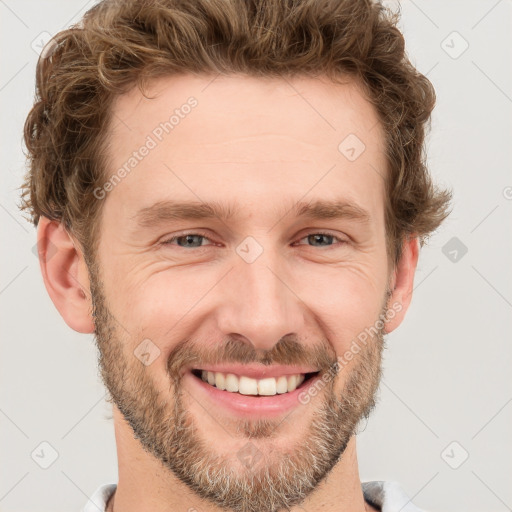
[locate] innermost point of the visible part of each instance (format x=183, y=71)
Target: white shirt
x=386, y=496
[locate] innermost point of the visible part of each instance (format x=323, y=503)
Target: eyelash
x=204, y=235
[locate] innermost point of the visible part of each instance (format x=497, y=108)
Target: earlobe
x=402, y=284
x=65, y=275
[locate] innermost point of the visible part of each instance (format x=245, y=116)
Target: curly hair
x=122, y=44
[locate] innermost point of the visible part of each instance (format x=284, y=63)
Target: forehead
x=246, y=138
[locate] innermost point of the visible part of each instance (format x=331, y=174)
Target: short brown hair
x=120, y=44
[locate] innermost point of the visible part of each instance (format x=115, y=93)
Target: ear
x=401, y=284
x=65, y=275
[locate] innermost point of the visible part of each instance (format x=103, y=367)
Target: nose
x=258, y=302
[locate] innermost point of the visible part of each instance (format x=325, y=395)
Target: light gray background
x=447, y=370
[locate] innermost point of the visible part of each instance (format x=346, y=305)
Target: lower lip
x=251, y=405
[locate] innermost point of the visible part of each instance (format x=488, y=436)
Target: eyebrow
x=168, y=211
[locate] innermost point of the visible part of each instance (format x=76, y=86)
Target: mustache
x=288, y=351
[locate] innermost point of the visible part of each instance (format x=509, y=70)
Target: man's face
x=261, y=287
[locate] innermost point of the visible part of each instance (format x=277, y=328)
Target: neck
x=146, y=485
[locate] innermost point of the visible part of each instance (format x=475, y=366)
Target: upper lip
x=256, y=371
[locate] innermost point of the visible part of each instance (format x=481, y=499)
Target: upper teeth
x=247, y=386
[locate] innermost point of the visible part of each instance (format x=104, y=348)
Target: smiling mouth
x=243, y=385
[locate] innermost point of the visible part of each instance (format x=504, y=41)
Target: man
x=234, y=195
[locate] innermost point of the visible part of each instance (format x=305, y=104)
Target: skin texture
x=264, y=144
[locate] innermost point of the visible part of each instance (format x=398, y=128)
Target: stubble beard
x=166, y=429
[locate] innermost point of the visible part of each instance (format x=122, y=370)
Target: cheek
x=150, y=297
x=164, y=309
x=166, y=305
x=345, y=301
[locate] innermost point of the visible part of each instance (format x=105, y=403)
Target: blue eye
x=195, y=240
x=319, y=237
x=188, y=240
